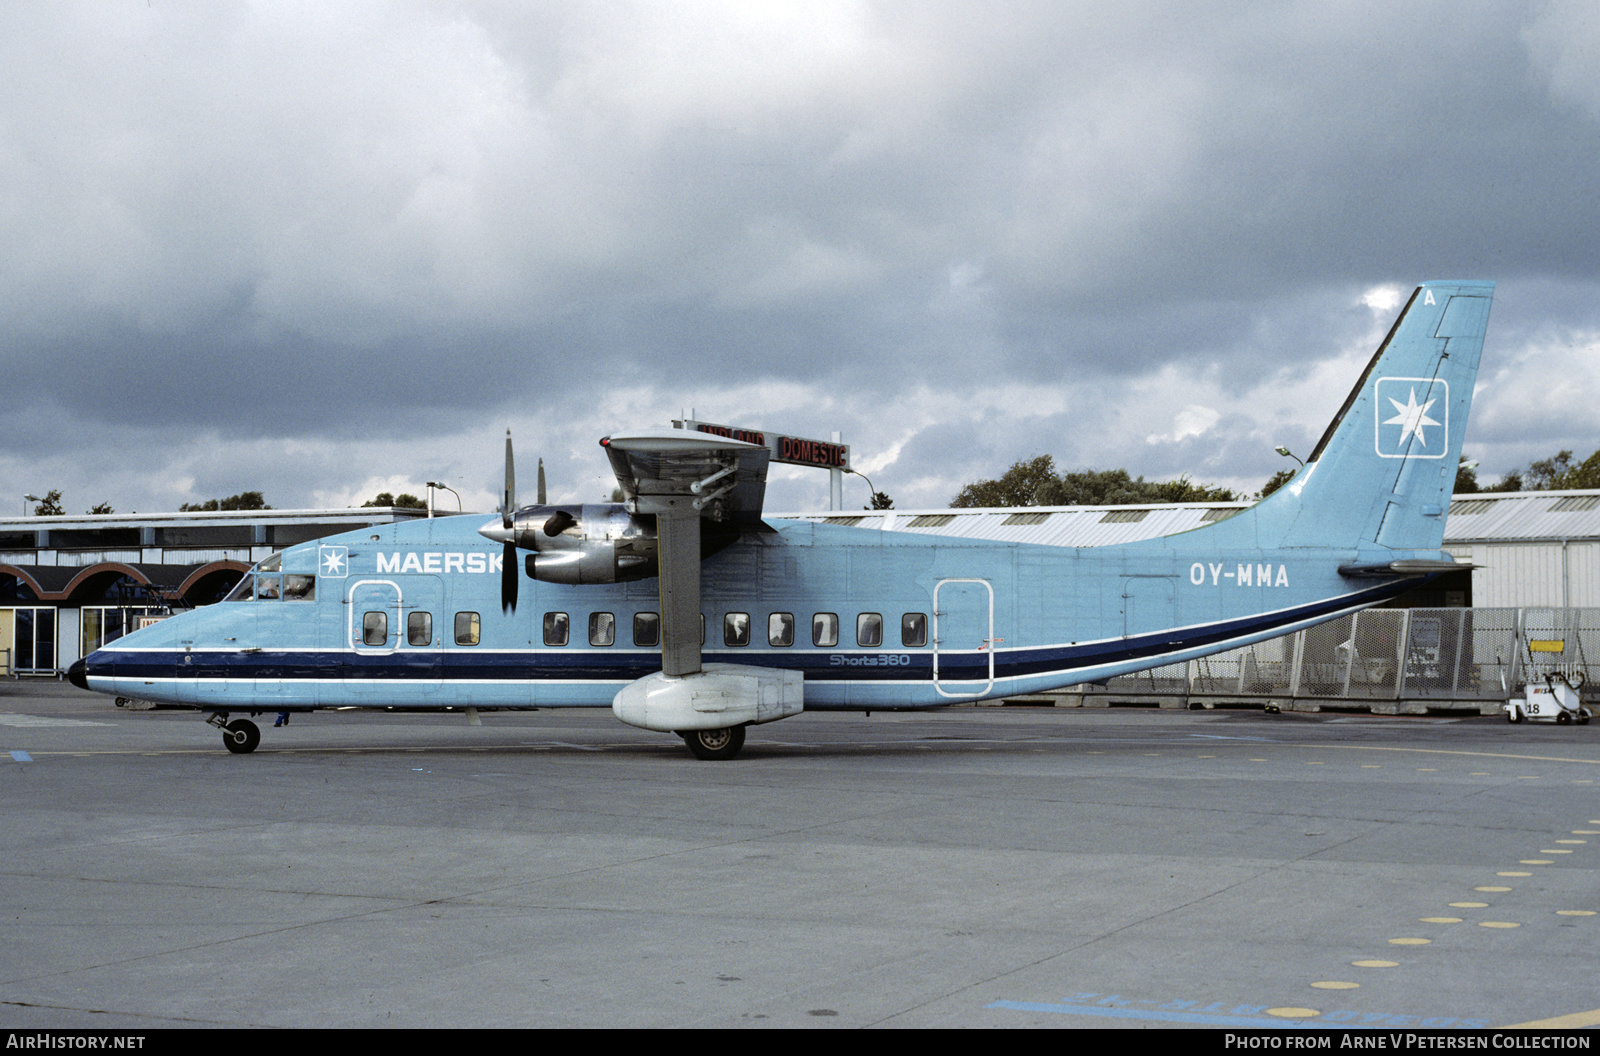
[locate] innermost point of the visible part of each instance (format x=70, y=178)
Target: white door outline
x=353, y=633
x=986, y=646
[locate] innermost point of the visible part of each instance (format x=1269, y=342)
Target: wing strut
x=678, y=547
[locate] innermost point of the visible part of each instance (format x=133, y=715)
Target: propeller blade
x=508, y=500
x=542, y=499
x=508, y=579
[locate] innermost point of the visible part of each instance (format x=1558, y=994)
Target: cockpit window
x=272, y=563
x=244, y=590
x=267, y=588
x=299, y=588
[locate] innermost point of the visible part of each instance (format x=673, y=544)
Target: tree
x=1033, y=482
x=1466, y=478
x=1276, y=481
x=1557, y=473
x=1510, y=482
x=245, y=500
x=405, y=501
x=1549, y=474
x=104, y=507
x=51, y=506
x=1184, y=490
x=1018, y=486
x=880, y=501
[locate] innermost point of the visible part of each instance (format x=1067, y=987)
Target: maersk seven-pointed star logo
x=333, y=560
x=1413, y=417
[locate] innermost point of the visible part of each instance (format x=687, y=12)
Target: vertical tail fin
x=1382, y=475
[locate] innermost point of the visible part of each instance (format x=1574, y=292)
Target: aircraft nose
x=78, y=674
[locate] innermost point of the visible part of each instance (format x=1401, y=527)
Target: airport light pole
x=27, y=499
x=436, y=484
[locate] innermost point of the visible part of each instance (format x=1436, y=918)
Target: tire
x=1513, y=715
x=723, y=743
x=1563, y=718
x=241, y=736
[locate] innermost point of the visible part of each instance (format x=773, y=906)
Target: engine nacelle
x=718, y=696
x=589, y=543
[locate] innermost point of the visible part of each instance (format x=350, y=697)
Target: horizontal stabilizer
x=1412, y=567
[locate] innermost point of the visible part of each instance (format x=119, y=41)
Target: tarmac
x=973, y=867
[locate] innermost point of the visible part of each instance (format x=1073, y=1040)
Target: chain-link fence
x=1383, y=659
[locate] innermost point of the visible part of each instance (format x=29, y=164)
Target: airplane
x=685, y=612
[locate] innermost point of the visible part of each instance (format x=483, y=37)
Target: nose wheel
x=241, y=736
x=722, y=743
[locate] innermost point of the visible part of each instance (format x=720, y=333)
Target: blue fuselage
x=410, y=615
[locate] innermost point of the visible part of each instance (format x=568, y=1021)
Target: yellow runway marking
x=1498, y=924
x=1376, y=964
x=1440, y=920
x=1568, y=1022
x=1575, y=912
x=1333, y=985
x=1410, y=942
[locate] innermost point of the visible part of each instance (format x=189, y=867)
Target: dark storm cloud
x=339, y=244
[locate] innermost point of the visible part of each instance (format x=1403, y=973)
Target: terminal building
x=68, y=584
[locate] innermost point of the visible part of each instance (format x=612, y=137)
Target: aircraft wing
x=722, y=479
x=682, y=477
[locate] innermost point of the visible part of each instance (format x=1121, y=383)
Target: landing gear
x=241, y=736
x=723, y=743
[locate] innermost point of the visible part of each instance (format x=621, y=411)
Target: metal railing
x=1386, y=660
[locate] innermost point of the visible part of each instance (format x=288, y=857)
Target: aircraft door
x=1147, y=604
x=963, y=637
x=392, y=637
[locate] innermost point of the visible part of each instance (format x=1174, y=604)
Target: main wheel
x=241, y=736
x=723, y=743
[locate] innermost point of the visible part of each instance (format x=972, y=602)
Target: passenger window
x=556, y=629
x=869, y=630
x=602, y=628
x=419, y=628
x=299, y=588
x=914, y=630
x=736, y=628
x=375, y=628
x=646, y=629
x=780, y=629
x=469, y=628
x=825, y=629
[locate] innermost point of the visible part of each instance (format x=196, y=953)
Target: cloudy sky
x=322, y=250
